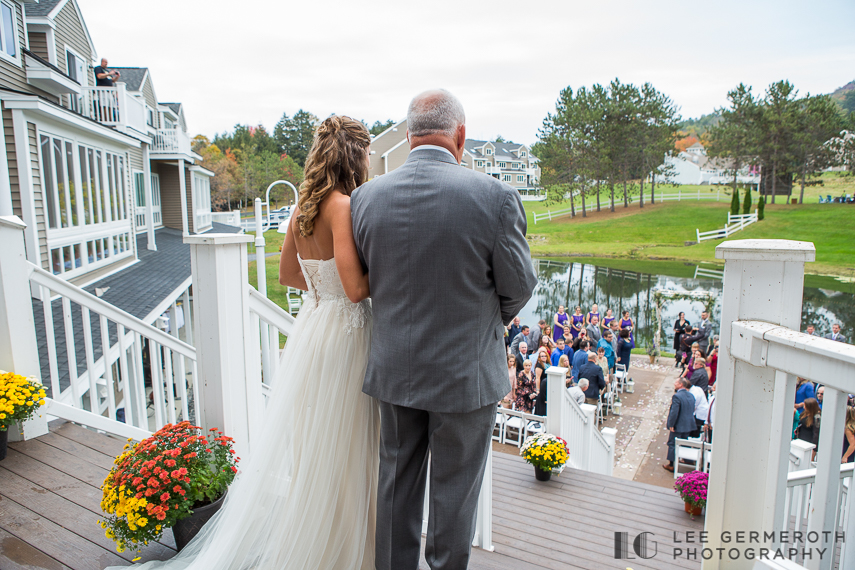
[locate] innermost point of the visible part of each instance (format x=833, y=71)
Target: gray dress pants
x=458, y=445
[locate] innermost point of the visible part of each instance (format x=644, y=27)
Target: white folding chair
x=621, y=376
x=689, y=450
x=707, y=457
x=500, y=422
x=514, y=423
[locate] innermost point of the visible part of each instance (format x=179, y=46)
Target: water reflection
x=575, y=283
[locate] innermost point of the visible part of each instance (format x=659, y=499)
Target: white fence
x=170, y=141
x=679, y=196
x=733, y=225
x=762, y=354
x=229, y=218
x=114, y=106
x=590, y=449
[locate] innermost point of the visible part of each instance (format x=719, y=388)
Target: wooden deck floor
x=50, y=496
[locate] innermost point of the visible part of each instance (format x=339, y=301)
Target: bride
x=305, y=500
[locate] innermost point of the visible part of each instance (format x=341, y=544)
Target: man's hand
x=671, y=429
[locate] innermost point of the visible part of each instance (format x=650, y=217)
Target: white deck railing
x=590, y=448
x=733, y=225
x=762, y=354
x=170, y=141
x=114, y=106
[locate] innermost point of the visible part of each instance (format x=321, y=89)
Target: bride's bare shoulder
x=335, y=205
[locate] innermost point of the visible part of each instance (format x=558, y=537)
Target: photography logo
x=640, y=547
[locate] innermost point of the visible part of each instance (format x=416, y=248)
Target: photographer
x=104, y=77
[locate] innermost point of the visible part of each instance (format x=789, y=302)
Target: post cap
x=218, y=239
x=766, y=250
x=12, y=222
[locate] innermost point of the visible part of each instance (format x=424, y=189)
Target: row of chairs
x=513, y=426
x=606, y=402
x=693, y=453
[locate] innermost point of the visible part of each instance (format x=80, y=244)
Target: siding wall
x=69, y=32
x=12, y=160
x=133, y=161
x=41, y=221
x=38, y=44
x=151, y=100
x=170, y=203
x=191, y=206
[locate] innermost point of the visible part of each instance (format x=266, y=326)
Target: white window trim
x=520, y=177
x=72, y=51
x=16, y=59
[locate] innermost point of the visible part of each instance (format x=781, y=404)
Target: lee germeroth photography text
x=691, y=545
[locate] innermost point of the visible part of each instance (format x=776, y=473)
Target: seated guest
x=702, y=407
x=526, y=389
x=578, y=392
x=597, y=381
x=580, y=357
x=624, y=348
x=699, y=376
x=603, y=362
x=564, y=362
x=809, y=422
x=594, y=334
x=804, y=390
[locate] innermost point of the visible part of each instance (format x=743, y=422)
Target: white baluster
x=130, y=413
x=50, y=335
x=108, y=367
x=94, y=398
x=70, y=352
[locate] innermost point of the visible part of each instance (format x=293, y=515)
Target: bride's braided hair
x=337, y=158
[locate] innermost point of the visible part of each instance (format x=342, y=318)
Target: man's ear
x=461, y=137
x=408, y=136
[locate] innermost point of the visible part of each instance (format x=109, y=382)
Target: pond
x=622, y=284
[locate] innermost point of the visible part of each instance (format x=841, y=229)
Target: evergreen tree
x=761, y=208
x=734, y=204
x=746, y=204
x=294, y=135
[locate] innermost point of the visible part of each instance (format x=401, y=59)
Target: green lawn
x=660, y=233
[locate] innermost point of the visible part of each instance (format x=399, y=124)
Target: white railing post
x=802, y=451
x=555, y=400
x=763, y=280
x=610, y=435
x=227, y=395
x=587, y=435
x=698, y=234
x=19, y=352
x=484, y=514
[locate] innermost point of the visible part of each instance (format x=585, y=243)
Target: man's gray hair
x=435, y=112
x=583, y=383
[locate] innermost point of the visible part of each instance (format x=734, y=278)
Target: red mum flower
x=169, y=463
x=189, y=455
x=234, y=469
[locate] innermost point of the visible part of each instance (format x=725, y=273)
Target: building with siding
x=99, y=175
x=509, y=162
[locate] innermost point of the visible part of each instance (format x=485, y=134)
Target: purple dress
x=625, y=324
x=578, y=320
x=558, y=331
x=606, y=321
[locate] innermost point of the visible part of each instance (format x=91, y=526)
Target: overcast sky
x=250, y=61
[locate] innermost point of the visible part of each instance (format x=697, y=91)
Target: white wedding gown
x=305, y=499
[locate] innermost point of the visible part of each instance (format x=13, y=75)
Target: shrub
x=734, y=203
x=761, y=208
x=746, y=204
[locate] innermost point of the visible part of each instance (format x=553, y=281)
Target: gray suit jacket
x=840, y=337
x=447, y=258
x=593, y=332
x=681, y=416
x=705, y=328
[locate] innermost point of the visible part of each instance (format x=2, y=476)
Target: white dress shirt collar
x=434, y=147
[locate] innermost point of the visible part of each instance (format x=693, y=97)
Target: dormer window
x=523, y=154
x=489, y=151
x=503, y=165
x=480, y=163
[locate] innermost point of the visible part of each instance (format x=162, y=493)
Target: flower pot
x=187, y=528
x=4, y=438
x=541, y=474
x=694, y=511
x=652, y=358
x=630, y=386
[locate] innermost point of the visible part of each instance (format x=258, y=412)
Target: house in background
x=104, y=177
x=694, y=167
x=509, y=162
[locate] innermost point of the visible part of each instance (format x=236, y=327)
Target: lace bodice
x=325, y=287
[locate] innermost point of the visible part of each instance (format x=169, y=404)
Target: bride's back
x=320, y=244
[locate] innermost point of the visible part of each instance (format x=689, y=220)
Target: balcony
x=170, y=141
x=48, y=77
x=115, y=107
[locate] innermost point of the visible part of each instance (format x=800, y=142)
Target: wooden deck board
x=50, y=502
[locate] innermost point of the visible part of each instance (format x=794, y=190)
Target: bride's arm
x=353, y=279
x=290, y=273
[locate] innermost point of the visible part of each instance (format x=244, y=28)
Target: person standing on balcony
x=681, y=418
x=104, y=77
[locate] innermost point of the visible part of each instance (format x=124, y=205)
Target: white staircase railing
x=590, y=449
x=762, y=354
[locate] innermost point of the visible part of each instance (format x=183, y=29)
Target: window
x=520, y=177
x=506, y=177
x=149, y=120
x=489, y=151
x=84, y=199
x=523, y=154
x=503, y=165
x=202, y=202
x=480, y=163
x=76, y=67
x=8, y=35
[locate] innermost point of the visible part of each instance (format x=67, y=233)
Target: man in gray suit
x=835, y=333
x=681, y=418
x=446, y=252
x=705, y=329
x=594, y=334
